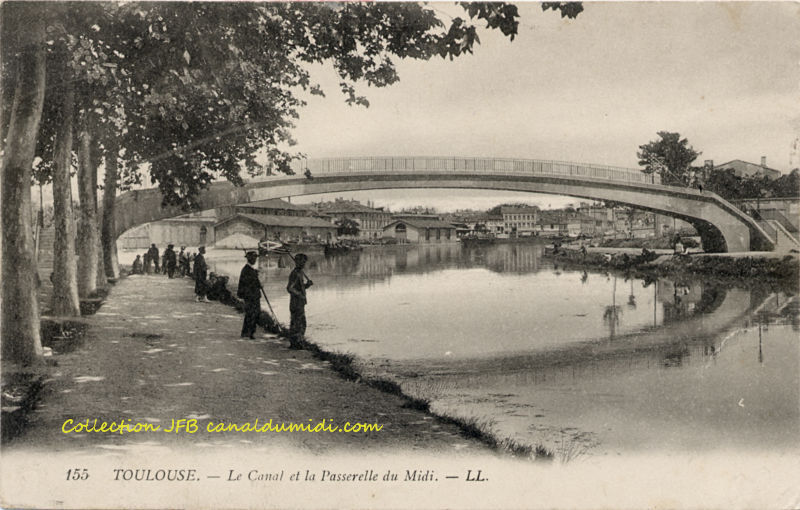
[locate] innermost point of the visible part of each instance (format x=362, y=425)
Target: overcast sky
x=724, y=75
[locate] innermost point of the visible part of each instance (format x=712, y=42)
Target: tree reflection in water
x=612, y=313
x=632, y=298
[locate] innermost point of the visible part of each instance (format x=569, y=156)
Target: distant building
x=194, y=229
x=280, y=227
x=746, y=169
x=669, y=225
x=623, y=222
x=553, y=223
x=462, y=229
x=420, y=229
x=275, y=207
x=370, y=220
x=495, y=224
x=597, y=220
x=519, y=220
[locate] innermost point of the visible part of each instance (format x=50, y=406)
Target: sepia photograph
x=388, y=254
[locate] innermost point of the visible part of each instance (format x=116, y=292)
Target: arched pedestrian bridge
x=722, y=226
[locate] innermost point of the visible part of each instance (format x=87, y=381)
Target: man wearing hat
x=200, y=275
x=250, y=291
x=170, y=260
x=183, y=262
x=298, y=283
x=153, y=251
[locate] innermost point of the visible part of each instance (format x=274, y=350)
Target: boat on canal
x=477, y=239
x=342, y=247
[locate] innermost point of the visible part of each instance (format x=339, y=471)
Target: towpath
x=152, y=354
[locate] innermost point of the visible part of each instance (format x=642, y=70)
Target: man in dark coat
x=250, y=291
x=170, y=260
x=153, y=251
x=183, y=262
x=200, y=275
x=298, y=283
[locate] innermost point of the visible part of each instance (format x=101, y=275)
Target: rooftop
x=553, y=217
x=346, y=206
x=740, y=162
x=422, y=223
x=274, y=203
x=275, y=220
x=411, y=215
x=510, y=209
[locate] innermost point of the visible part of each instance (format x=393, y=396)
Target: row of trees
x=184, y=93
x=732, y=187
x=671, y=157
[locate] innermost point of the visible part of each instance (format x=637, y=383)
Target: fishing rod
x=282, y=249
x=274, y=317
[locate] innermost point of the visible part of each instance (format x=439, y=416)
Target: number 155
x=77, y=474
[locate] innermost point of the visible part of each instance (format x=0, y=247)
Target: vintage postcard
x=400, y=255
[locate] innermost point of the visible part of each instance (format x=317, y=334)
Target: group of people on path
x=249, y=289
x=171, y=263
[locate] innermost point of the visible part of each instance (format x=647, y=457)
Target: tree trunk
x=94, y=152
x=87, y=228
x=20, y=307
x=102, y=281
x=65, y=270
x=109, y=233
x=9, y=16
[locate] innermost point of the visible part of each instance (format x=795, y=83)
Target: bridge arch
x=721, y=226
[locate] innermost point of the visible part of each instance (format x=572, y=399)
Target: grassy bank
x=783, y=271
x=480, y=430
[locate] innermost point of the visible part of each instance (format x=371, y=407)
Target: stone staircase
x=785, y=241
x=778, y=228
x=780, y=218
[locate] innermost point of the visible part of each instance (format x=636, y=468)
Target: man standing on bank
x=183, y=262
x=200, y=275
x=153, y=251
x=250, y=291
x=170, y=260
x=298, y=283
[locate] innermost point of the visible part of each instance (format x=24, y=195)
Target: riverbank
x=346, y=365
x=152, y=354
x=765, y=266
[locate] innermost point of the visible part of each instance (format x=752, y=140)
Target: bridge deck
x=488, y=166
x=722, y=226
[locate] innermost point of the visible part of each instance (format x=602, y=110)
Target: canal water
x=581, y=362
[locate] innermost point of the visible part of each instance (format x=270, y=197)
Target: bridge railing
x=489, y=166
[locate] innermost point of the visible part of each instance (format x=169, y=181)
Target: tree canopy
x=347, y=227
x=732, y=187
x=197, y=90
x=495, y=211
x=670, y=156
